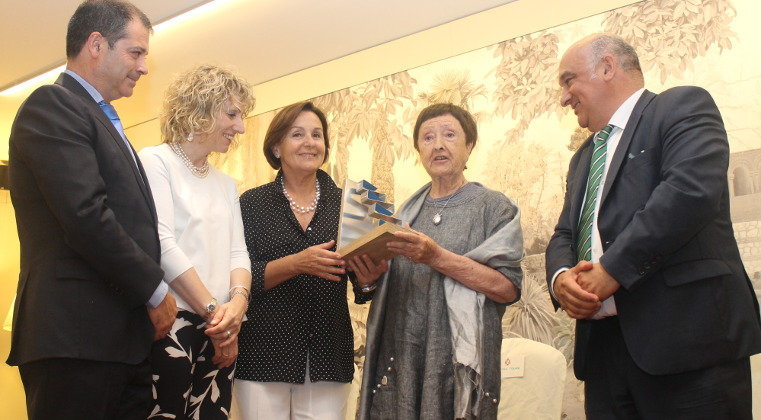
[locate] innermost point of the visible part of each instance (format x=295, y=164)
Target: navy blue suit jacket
x=87, y=228
x=685, y=300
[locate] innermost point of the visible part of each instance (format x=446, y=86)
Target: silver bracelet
x=369, y=288
x=239, y=290
x=243, y=293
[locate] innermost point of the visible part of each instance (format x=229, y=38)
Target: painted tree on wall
x=339, y=107
x=371, y=111
x=669, y=34
x=454, y=87
x=533, y=316
x=578, y=137
x=527, y=88
x=526, y=80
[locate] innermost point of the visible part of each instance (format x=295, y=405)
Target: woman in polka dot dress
x=296, y=349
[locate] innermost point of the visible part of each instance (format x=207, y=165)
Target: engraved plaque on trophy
x=366, y=223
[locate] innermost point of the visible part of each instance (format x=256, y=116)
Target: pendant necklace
x=437, y=216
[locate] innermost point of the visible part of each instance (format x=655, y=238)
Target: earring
x=277, y=155
x=190, y=137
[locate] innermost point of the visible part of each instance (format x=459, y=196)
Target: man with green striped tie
x=643, y=255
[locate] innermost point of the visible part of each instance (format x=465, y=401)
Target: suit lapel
x=623, y=144
x=71, y=84
x=581, y=173
x=145, y=187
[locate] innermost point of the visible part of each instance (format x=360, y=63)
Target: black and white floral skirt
x=186, y=384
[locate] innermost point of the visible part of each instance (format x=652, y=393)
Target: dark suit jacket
x=685, y=300
x=87, y=228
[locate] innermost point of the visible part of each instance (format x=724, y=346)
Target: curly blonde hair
x=195, y=98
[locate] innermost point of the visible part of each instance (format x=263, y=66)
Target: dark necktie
x=110, y=112
x=584, y=238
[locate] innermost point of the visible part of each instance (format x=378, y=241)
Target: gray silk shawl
x=465, y=309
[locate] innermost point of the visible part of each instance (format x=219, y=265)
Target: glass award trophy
x=367, y=222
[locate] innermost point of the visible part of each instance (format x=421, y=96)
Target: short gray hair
x=611, y=44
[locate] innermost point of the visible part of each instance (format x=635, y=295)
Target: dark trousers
x=188, y=384
x=75, y=389
x=617, y=389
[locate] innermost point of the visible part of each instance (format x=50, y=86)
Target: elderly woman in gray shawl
x=434, y=329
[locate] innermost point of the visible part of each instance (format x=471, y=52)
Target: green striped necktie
x=584, y=238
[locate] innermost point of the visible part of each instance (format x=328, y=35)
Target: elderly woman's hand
x=418, y=247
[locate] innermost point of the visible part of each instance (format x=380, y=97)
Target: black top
x=303, y=315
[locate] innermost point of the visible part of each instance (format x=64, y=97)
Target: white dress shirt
x=618, y=120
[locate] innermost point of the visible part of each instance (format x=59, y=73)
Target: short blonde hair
x=195, y=98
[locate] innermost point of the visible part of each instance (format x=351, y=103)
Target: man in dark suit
x=90, y=297
x=643, y=254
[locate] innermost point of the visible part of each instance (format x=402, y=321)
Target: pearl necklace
x=302, y=209
x=198, y=171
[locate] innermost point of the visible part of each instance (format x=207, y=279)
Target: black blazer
x=87, y=228
x=685, y=300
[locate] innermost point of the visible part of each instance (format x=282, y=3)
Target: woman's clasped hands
x=223, y=329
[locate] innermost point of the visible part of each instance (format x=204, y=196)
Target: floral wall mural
x=526, y=138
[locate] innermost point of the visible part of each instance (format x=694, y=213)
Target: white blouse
x=199, y=222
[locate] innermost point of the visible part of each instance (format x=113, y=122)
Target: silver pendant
x=437, y=219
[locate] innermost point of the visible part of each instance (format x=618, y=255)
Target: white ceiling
x=32, y=33
x=269, y=38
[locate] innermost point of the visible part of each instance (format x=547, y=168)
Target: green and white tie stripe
x=584, y=238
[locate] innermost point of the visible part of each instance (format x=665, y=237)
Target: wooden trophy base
x=373, y=243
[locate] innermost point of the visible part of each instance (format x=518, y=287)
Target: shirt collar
x=622, y=114
x=85, y=84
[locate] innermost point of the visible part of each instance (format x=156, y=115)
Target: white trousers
x=284, y=401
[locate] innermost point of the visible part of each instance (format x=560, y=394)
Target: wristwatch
x=211, y=307
x=369, y=288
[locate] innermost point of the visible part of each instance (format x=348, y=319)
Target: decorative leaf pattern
x=533, y=316
x=527, y=80
x=369, y=112
x=195, y=398
x=454, y=87
x=669, y=34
